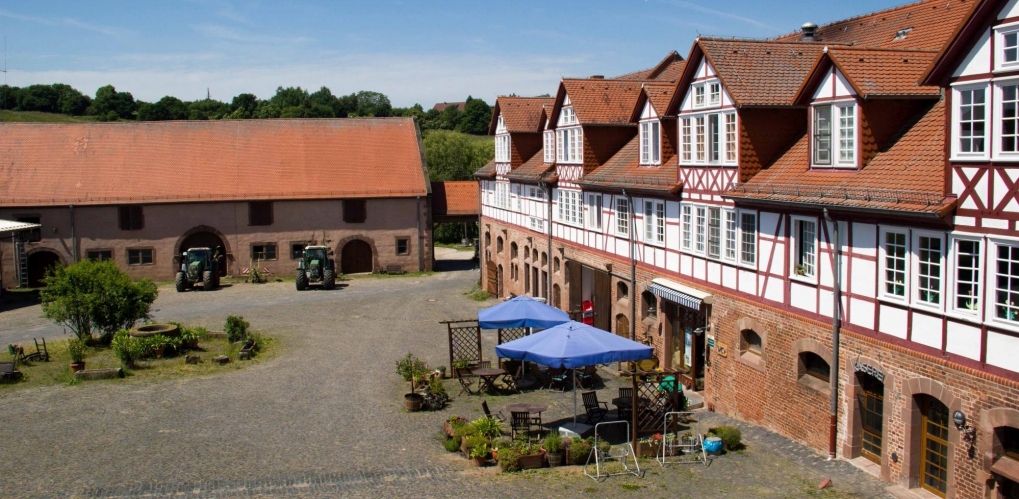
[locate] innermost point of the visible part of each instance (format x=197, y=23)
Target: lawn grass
x=40, y=117
x=455, y=246
x=58, y=371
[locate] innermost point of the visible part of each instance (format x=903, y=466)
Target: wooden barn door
x=603, y=301
x=491, y=278
x=356, y=257
x=575, y=273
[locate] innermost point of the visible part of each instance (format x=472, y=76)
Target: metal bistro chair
x=596, y=411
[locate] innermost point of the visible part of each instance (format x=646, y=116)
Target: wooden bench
x=395, y=269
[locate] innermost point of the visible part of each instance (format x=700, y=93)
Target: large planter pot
x=448, y=428
x=649, y=449
x=77, y=366
x=147, y=330
x=412, y=401
x=554, y=459
x=713, y=446
x=478, y=461
x=531, y=462
x=158, y=352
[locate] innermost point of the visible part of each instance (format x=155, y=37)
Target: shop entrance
x=933, y=445
x=686, y=338
x=872, y=401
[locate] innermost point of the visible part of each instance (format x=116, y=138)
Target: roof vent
x=597, y=77
x=808, y=30
x=900, y=34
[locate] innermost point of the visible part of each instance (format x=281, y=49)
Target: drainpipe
x=836, y=325
x=548, y=195
x=633, y=270
x=421, y=249
x=74, y=241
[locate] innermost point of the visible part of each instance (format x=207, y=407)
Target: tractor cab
x=315, y=267
x=197, y=267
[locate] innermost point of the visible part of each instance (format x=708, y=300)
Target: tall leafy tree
x=9, y=96
x=38, y=98
x=289, y=97
x=475, y=118
x=455, y=156
x=70, y=100
x=208, y=109
x=167, y=108
x=110, y=104
x=244, y=106
x=373, y=104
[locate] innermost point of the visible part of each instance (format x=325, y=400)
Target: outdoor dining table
x=488, y=375
x=528, y=408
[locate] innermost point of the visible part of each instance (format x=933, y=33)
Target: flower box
x=532, y=461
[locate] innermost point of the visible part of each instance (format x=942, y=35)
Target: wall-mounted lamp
x=699, y=331
x=959, y=419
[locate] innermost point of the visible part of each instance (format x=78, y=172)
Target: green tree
x=41, y=98
x=475, y=118
x=289, y=97
x=109, y=103
x=267, y=110
x=208, y=109
x=244, y=106
x=9, y=96
x=373, y=104
x=167, y=108
x=70, y=100
x=455, y=156
x=323, y=104
x=95, y=297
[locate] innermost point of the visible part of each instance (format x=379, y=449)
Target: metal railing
x=838, y=192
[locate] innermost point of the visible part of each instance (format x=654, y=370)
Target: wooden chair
x=624, y=409
x=586, y=376
x=498, y=416
x=485, y=364
x=520, y=423
x=466, y=384
x=596, y=411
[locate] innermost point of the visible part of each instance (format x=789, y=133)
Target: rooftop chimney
x=808, y=30
x=597, y=77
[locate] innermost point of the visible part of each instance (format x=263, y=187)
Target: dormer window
x=834, y=142
x=549, y=148
x=714, y=94
x=501, y=125
x=650, y=143
x=569, y=145
x=567, y=116
x=502, y=148
x=698, y=96
x=1007, y=47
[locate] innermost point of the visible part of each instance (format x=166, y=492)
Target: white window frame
x=686, y=140
x=537, y=224
x=957, y=152
x=701, y=229
x=569, y=148
x=795, y=245
x=730, y=235
x=700, y=144
x=686, y=242
x=500, y=125
x=502, y=148
x=549, y=148
x=990, y=295
x=650, y=142
x=502, y=195
x=622, y=217
x=1000, y=34
x=953, y=277
x=915, y=298
x=743, y=243
x=731, y=142
x=714, y=93
x=841, y=154
x=570, y=212
x=654, y=222
x=699, y=96
x=883, y=264
x=714, y=247
x=997, y=127
x=594, y=211
x=567, y=116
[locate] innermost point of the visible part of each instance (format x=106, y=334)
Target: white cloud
x=68, y=21
x=406, y=79
x=726, y=15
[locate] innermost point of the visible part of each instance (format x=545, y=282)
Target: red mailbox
x=587, y=312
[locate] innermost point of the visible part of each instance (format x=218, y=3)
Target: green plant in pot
x=76, y=350
x=488, y=427
x=127, y=348
x=553, y=445
x=508, y=459
x=471, y=442
x=531, y=455
x=500, y=443
x=479, y=453
x=578, y=451
x=157, y=344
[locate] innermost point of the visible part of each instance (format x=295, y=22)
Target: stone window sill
x=752, y=360
x=815, y=384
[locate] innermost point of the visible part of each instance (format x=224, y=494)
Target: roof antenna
x=208, y=95
x=3, y=98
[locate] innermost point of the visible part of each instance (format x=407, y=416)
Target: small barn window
x=622, y=291
x=139, y=256
x=260, y=213
x=131, y=217
x=750, y=342
x=649, y=305
x=811, y=364
x=263, y=251
x=99, y=255
x=297, y=250
x=355, y=211
x=402, y=246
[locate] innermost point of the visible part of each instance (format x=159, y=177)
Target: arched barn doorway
x=205, y=239
x=38, y=263
x=356, y=257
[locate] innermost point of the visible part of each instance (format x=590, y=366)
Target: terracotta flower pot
x=478, y=461
x=77, y=366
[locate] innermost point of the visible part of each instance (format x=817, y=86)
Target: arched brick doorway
x=38, y=263
x=357, y=257
x=204, y=237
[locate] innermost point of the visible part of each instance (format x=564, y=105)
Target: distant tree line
x=289, y=102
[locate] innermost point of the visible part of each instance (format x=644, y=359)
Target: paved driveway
x=324, y=418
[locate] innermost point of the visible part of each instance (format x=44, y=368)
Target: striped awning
x=12, y=226
x=678, y=293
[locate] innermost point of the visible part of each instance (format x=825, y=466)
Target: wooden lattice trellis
x=651, y=401
x=464, y=341
x=512, y=333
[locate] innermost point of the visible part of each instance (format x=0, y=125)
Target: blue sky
x=412, y=50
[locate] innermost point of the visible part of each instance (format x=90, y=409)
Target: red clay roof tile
x=602, y=102
x=885, y=73
x=182, y=161
x=623, y=171
x=522, y=114
x=453, y=198
x=760, y=72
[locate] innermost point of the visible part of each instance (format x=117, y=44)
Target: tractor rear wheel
x=207, y=281
x=328, y=279
x=301, y=280
x=181, y=282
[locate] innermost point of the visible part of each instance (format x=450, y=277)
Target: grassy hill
x=40, y=117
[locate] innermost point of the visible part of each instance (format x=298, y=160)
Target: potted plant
x=470, y=442
x=409, y=367
x=531, y=456
x=157, y=344
x=800, y=269
x=553, y=447
x=578, y=451
x=462, y=434
x=509, y=459
x=451, y=424
x=461, y=367
x=501, y=443
x=127, y=348
x=487, y=427
x=649, y=446
x=479, y=453
x=76, y=350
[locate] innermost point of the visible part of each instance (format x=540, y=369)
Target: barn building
x=829, y=215
x=257, y=191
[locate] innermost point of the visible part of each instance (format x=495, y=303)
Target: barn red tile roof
x=453, y=198
x=521, y=114
x=113, y=163
x=622, y=171
x=532, y=170
x=667, y=70
x=885, y=73
x=758, y=72
x=930, y=25
x=660, y=94
x=601, y=102
x=486, y=172
x=908, y=176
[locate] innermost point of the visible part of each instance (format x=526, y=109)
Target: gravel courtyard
x=325, y=418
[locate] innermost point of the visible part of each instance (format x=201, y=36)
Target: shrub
x=480, y=449
x=488, y=427
x=76, y=350
x=436, y=387
x=465, y=430
x=410, y=366
x=578, y=451
x=476, y=440
x=95, y=297
x=236, y=328
x=127, y=348
x=508, y=459
x=451, y=444
x=730, y=435
x=554, y=443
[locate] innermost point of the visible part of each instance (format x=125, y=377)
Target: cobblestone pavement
x=325, y=418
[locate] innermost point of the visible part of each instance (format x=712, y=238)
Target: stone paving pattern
x=325, y=418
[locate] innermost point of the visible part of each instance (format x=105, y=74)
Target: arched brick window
x=622, y=291
x=498, y=244
x=648, y=305
x=513, y=250
x=813, y=364
x=555, y=265
x=752, y=341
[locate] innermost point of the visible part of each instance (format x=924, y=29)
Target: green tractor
x=315, y=267
x=198, y=266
